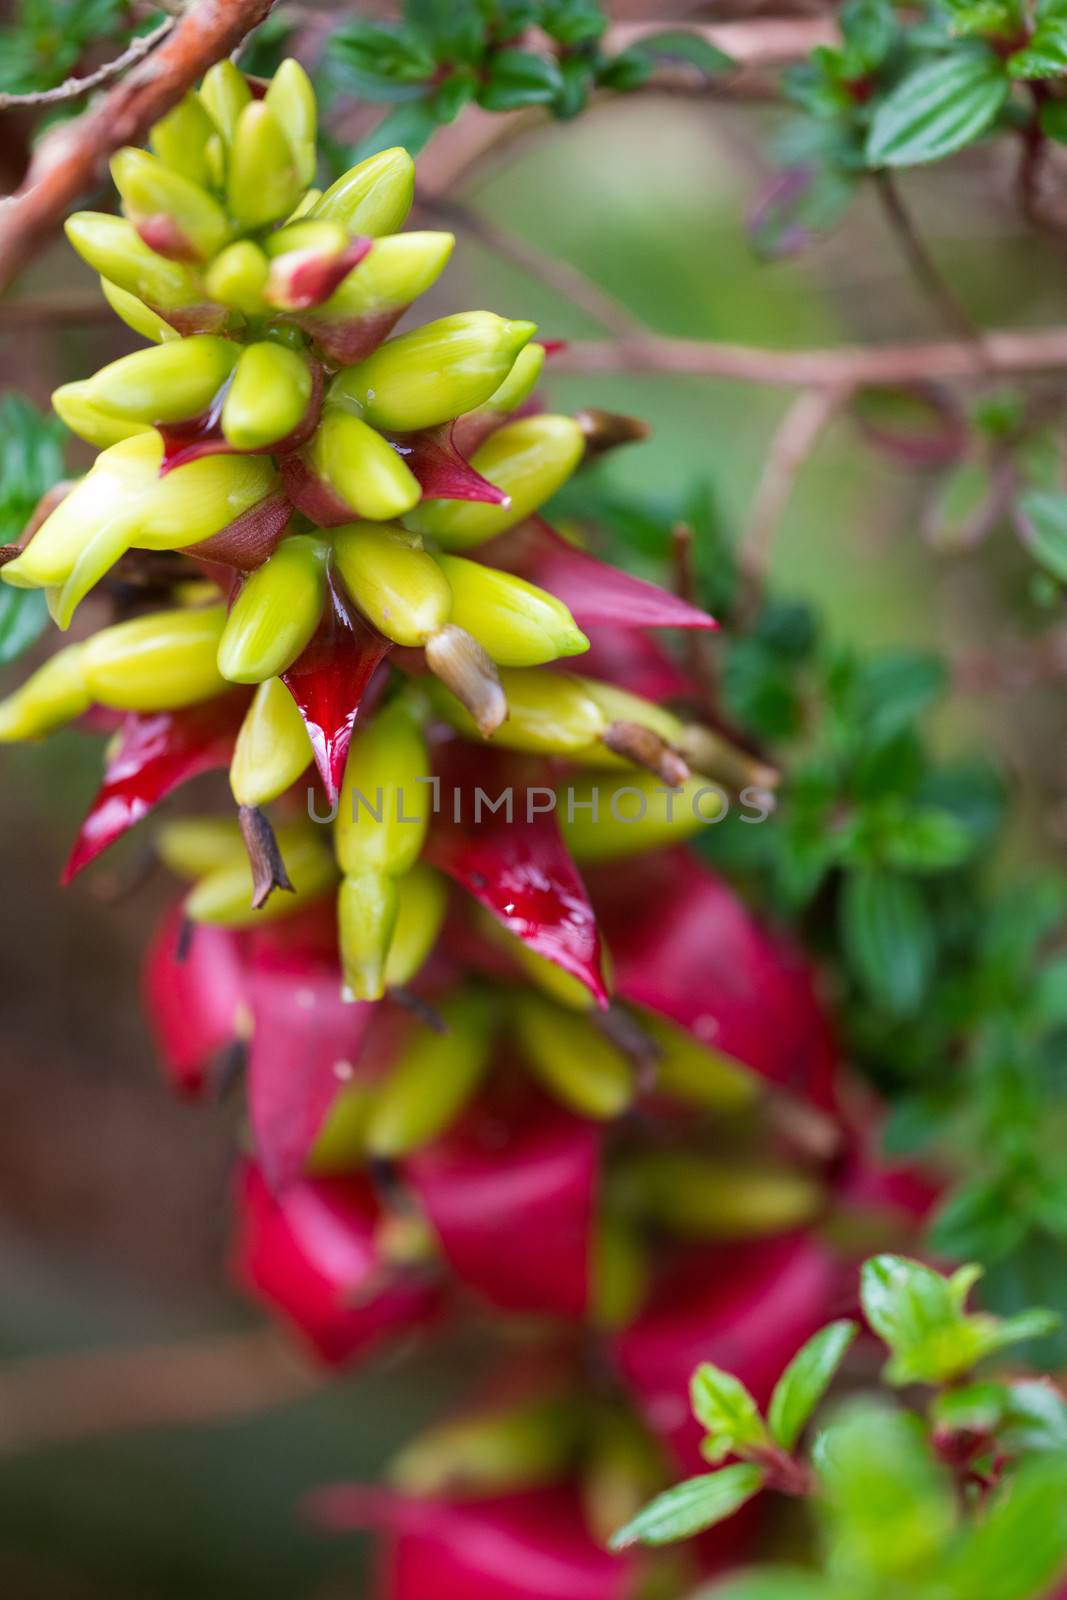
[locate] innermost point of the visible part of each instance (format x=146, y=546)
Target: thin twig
x=699, y=647
x=74, y=88
x=72, y=159
x=94, y=1393
x=922, y=264
x=566, y=280
x=848, y=367
x=797, y=435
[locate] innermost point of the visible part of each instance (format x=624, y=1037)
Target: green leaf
x=454, y=30
x=676, y=44
x=870, y=30
x=381, y=62
x=1053, y=120
x=722, y=1404
x=1045, y=56
x=1019, y=1548
x=888, y=939
x=23, y=618
x=806, y=1379
x=928, y=839
x=572, y=22
x=1044, y=527
x=963, y=508
x=1035, y=1417
x=970, y=1408
x=690, y=1507
x=938, y=110
x=776, y=1583
x=410, y=125
x=520, y=78
x=904, y=1300
x=892, y=1509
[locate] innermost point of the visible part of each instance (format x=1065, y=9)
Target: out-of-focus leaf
x=796, y=207
x=888, y=939
x=1019, y=1548
x=23, y=618
x=1043, y=518
x=1045, y=56
x=520, y=78
x=938, y=109
x=677, y=44
x=806, y=1379
x=690, y=1507
x=409, y=125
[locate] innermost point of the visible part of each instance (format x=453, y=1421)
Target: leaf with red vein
x=153, y=755
x=512, y=1198
x=329, y=680
x=519, y=869
x=597, y=595
x=442, y=471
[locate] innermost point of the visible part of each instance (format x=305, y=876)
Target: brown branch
x=560, y=276
x=74, y=88
x=93, y=1393
x=797, y=435
x=918, y=257
x=849, y=367
x=71, y=161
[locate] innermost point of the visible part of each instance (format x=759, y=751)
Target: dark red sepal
x=203, y=436
x=155, y=753
x=442, y=471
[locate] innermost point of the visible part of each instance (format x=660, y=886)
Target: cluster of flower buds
x=473, y=1073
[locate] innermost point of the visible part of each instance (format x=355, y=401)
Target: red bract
x=310, y=1254
x=443, y=473
x=745, y=1307
x=203, y=435
x=519, y=869
x=597, y=595
x=329, y=680
x=511, y=1194
x=152, y=755
x=633, y=661
x=530, y=1546
x=697, y=955
x=195, y=990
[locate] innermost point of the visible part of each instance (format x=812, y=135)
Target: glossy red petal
x=519, y=869
x=697, y=955
x=597, y=595
x=195, y=991
x=746, y=1307
x=310, y=1256
x=443, y=473
x=329, y=680
x=154, y=753
x=511, y=1195
x=529, y=1546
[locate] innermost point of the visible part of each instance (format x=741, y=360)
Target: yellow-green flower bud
x=222, y=897
x=224, y=93
x=324, y=237
x=397, y=270
x=528, y=459
x=492, y=1452
x=166, y=383
x=172, y=214
x=435, y=372
x=384, y=809
x=394, y=582
x=54, y=695
x=421, y=902
x=112, y=247
x=237, y=278
x=272, y=747
x=268, y=398
x=693, y=1196
x=180, y=140
x=276, y=611
x=192, y=847
x=690, y=1071
x=262, y=183
x=339, y=1145
x=156, y=663
x=609, y=816
x=571, y=1057
x=620, y=1272
x=366, y=918
x=516, y=623
x=136, y=315
x=549, y=713
x=374, y=197
x=73, y=405
x=433, y=1079
x=292, y=99
x=361, y=468
x=520, y=382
